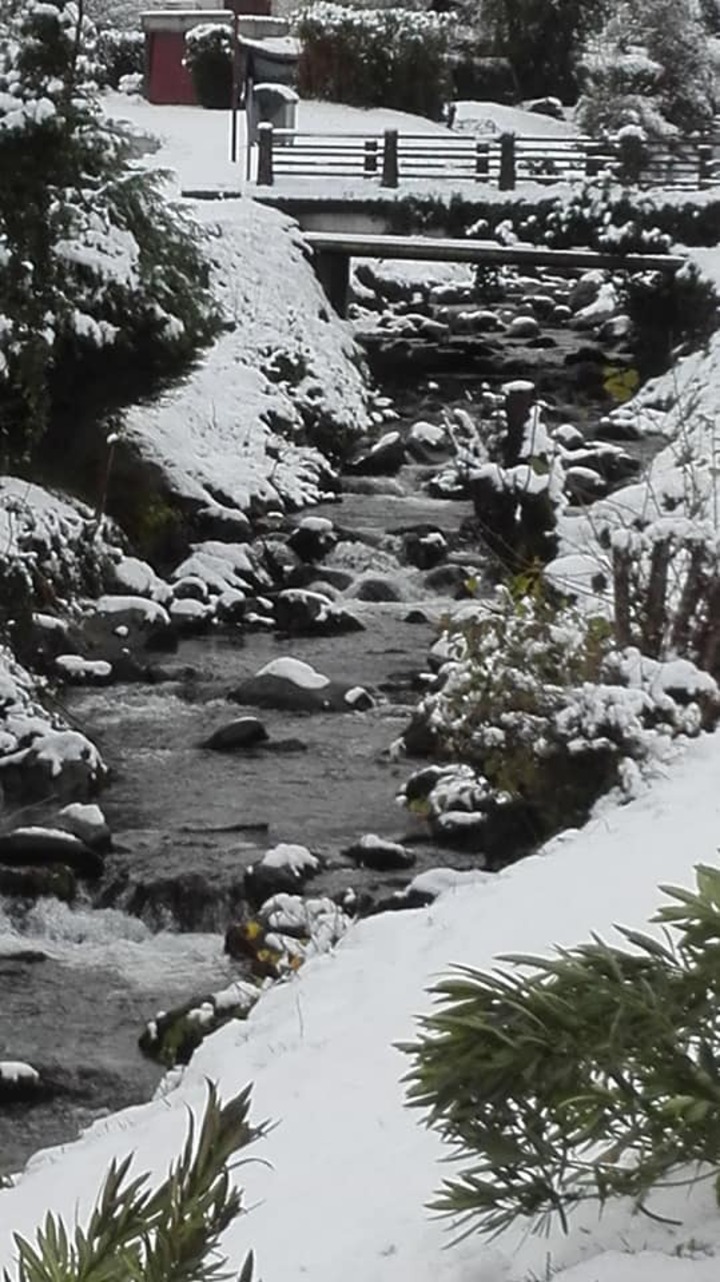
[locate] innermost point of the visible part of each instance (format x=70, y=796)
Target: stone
x=88, y=823
x=299, y=612
x=380, y=854
x=55, y=880
x=425, y=547
x=19, y=1083
x=313, y=538
x=30, y=847
x=523, y=327
x=585, y=290
x=547, y=106
x=294, y=686
x=384, y=458
x=371, y=587
x=237, y=736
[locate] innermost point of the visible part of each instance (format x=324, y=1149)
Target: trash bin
x=273, y=104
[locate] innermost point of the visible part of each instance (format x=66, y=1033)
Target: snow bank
x=349, y=1167
x=234, y=432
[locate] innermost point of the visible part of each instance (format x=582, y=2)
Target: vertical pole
x=235, y=91
x=390, y=159
x=508, y=170
x=482, y=162
x=250, y=127
x=265, y=155
x=593, y=159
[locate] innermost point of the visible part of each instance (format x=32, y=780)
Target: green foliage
x=169, y=1235
x=649, y=68
x=374, y=57
x=208, y=58
x=120, y=53
x=98, y=273
x=540, y=38
x=591, y=1075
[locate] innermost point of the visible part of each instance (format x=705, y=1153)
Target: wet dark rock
x=56, y=880
x=373, y=587
x=172, y=1036
x=384, y=458
x=20, y=1084
x=403, y=899
x=583, y=485
x=238, y=736
x=547, y=106
x=159, y=673
x=190, y=901
x=263, y=881
x=293, y=686
x=32, y=847
x=425, y=547
x=416, y=616
x=447, y=578
x=302, y=613
x=618, y=429
x=313, y=538
x=380, y=854
x=88, y=823
x=336, y=577
x=23, y=957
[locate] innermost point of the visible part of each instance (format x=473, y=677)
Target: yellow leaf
x=620, y=383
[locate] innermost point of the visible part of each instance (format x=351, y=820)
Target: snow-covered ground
x=213, y=434
x=347, y=1168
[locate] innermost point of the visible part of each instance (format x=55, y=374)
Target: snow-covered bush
x=374, y=57
x=650, y=69
x=208, y=58
x=120, y=54
x=589, y=1075
x=136, y=1234
x=98, y=273
x=545, y=715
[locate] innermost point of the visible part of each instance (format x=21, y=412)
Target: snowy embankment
x=236, y=431
x=348, y=1166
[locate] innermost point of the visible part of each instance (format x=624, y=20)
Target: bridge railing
x=391, y=158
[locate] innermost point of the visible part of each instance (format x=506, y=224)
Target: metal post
x=390, y=175
x=594, y=155
x=508, y=173
x=370, y=158
x=265, y=155
x=235, y=92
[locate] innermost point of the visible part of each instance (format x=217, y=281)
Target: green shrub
x=169, y=1235
x=374, y=57
x=208, y=58
x=591, y=1075
x=121, y=53
x=100, y=277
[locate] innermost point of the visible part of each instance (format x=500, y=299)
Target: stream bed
x=79, y=983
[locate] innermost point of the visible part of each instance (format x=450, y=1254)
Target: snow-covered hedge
x=97, y=271
x=208, y=58
x=543, y=715
x=374, y=57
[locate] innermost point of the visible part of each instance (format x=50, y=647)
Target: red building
x=166, y=79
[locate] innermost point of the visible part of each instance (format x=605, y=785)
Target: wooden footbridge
x=334, y=251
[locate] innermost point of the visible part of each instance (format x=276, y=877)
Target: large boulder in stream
x=19, y=1083
x=299, y=612
x=238, y=736
x=32, y=847
x=294, y=686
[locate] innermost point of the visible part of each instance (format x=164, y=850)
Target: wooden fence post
x=508, y=172
x=594, y=155
x=390, y=172
x=370, y=157
x=265, y=176
x=482, y=162
x=704, y=156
